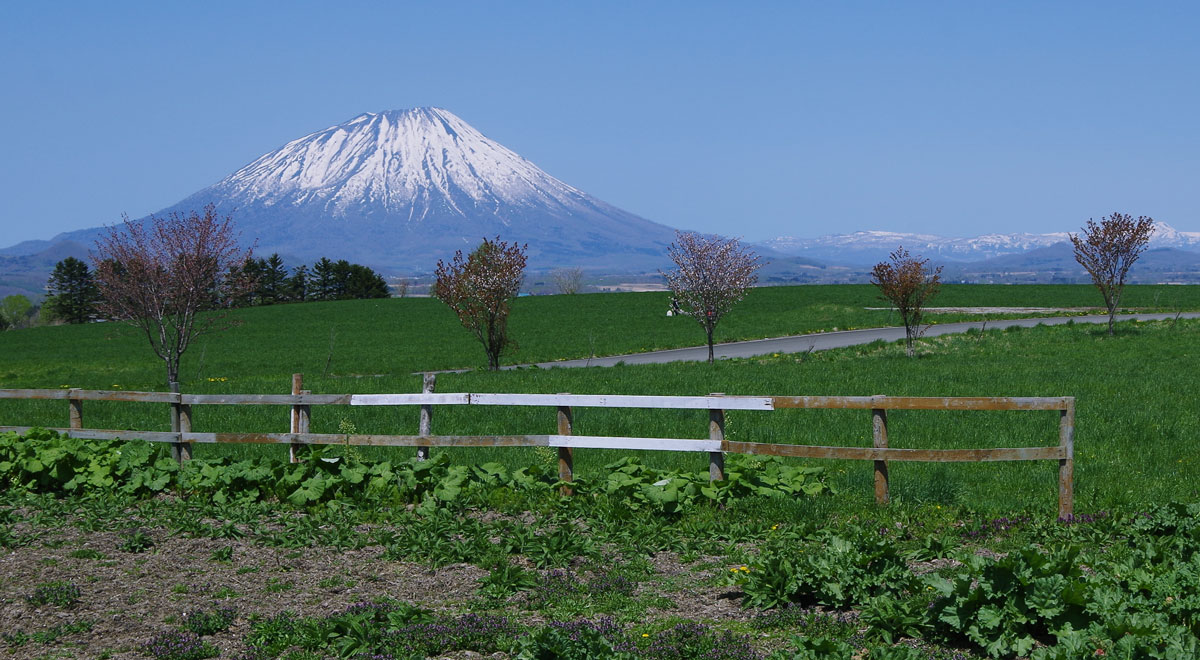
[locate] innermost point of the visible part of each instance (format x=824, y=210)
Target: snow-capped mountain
x=873, y=246
x=401, y=189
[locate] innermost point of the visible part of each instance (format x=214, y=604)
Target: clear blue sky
x=745, y=118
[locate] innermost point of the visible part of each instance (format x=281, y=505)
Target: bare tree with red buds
x=1106, y=251
x=908, y=283
x=479, y=287
x=172, y=278
x=711, y=275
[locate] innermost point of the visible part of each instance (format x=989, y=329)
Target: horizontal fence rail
x=716, y=445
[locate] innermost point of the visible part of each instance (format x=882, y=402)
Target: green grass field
x=334, y=341
x=1137, y=419
x=968, y=562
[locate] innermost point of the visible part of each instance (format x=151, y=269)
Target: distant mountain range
x=1173, y=256
x=869, y=247
x=399, y=190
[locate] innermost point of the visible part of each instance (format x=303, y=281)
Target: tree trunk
x=172, y=374
x=1113, y=305
x=710, y=345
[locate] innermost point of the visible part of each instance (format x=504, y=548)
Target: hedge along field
x=1136, y=420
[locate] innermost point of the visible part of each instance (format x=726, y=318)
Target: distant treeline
x=325, y=280
x=72, y=293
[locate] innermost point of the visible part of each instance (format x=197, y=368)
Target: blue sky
x=754, y=119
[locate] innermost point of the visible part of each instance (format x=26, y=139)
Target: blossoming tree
x=711, y=275
x=169, y=277
x=908, y=283
x=479, y=287
x=1107, y=249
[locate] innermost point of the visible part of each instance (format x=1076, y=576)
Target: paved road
x=826, y=340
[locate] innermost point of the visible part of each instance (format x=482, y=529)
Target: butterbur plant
x=1006, y=606
x=831, y=571
x=179, y=645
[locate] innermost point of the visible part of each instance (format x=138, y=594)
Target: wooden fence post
x=297, y=387
x=716, y=432
x=880, y=441
x=76, y=419
x=180, y=450
x=305, y=415
x=566, y=459
x=185, y=426
x=425, y=428
x=1066, y=465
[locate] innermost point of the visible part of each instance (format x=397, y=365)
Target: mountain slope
x=400, y=189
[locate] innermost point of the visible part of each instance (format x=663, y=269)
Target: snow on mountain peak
x=411, y=161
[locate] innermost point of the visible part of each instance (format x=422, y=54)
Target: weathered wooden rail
x=565, y=440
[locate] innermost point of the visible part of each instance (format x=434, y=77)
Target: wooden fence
x=716, y=445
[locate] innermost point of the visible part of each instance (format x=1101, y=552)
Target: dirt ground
x=130, y=597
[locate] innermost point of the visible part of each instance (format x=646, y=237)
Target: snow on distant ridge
x=861, y=244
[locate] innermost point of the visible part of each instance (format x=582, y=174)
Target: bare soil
x=131, y=596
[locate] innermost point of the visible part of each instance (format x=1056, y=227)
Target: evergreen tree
x=246, y=274
x=272, y=280
x=73, y=293
x=297, y=284
x=341, y=279
x=362, y=282
x=321, y=282
x=250, y=274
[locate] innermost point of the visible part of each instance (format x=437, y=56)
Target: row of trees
x=326, y=280
x=74, y=297
x=159, y=277
x=175, y=279
x=710, y=277
x=712, y=274
x=1106, y=249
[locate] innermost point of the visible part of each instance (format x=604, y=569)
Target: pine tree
x=362, y=282
x=73, y=293
x=320, y=282
x=250, y=275
x=272, y=279
x=341, y=279
x=297, y=284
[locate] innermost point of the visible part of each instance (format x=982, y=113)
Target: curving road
x=826, y=340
